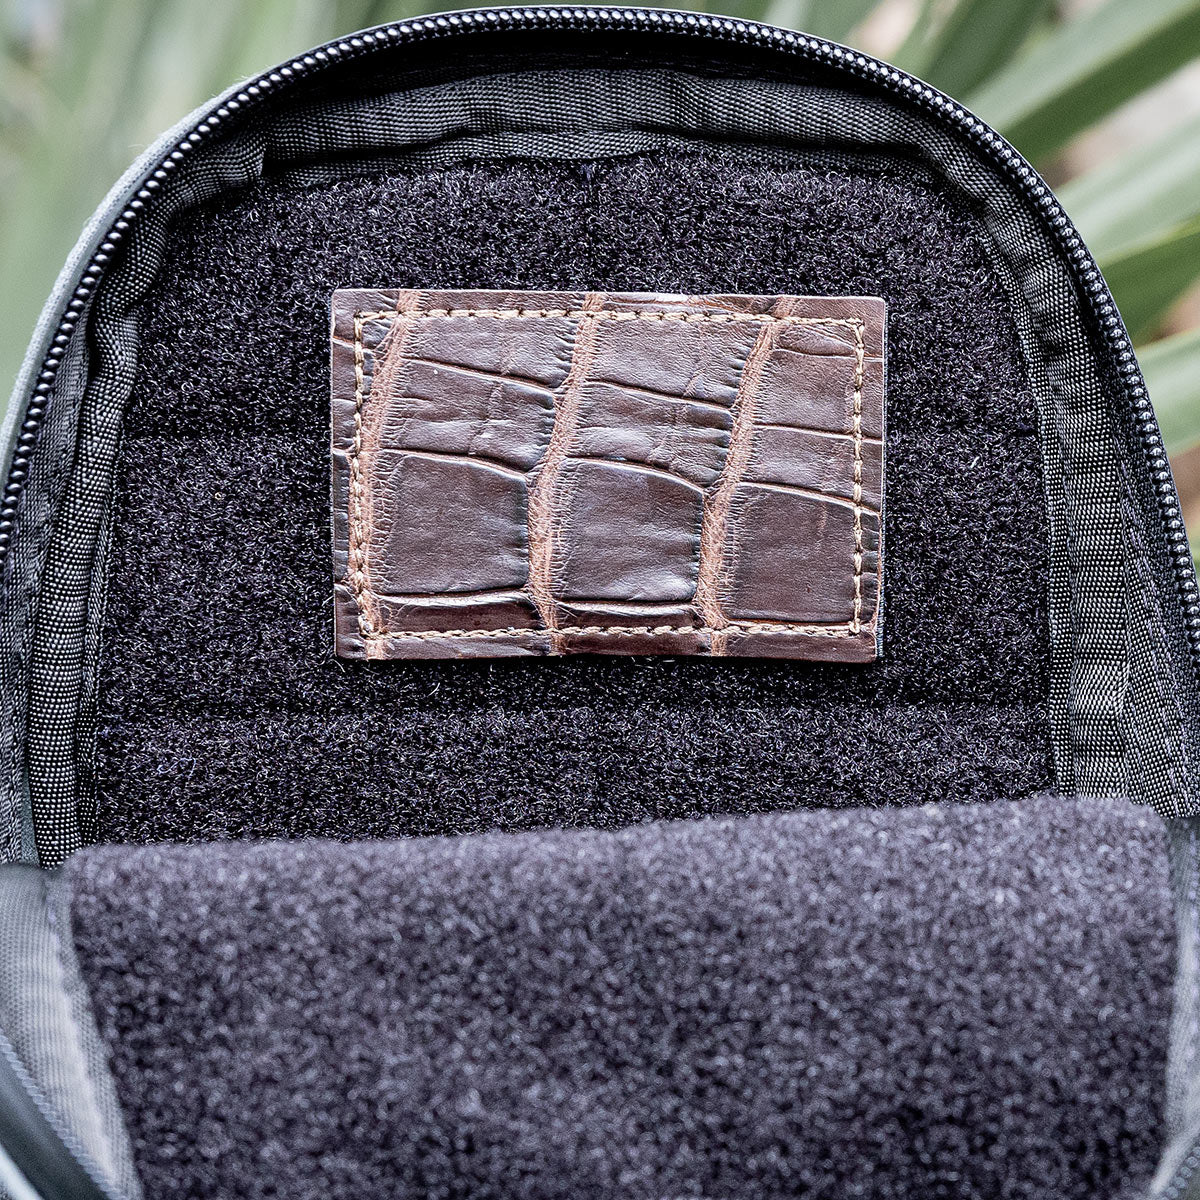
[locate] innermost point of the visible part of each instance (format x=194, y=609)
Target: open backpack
x=592, y=605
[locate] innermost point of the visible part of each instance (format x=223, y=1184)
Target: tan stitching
x=731, y=627
x=357, y=540
x=859, y=356
x=633, y=314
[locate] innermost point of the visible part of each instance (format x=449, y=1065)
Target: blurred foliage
x=87, y=84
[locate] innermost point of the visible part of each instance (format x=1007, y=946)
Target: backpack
x=592, y=604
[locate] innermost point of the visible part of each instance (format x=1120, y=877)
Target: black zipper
x=720, y=29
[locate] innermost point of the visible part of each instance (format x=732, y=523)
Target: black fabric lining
x=956, y=1002
x=222, y=710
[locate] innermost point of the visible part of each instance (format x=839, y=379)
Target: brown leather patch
x=551, y=473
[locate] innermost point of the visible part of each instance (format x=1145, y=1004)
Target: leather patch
x=524, y=473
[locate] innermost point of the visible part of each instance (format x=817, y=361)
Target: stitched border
x=860, y=355
x=357, y=540
x=355, y=558
x=609, y=314
x=736, y=627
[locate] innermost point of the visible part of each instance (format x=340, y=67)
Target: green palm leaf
x=1149, y=276
x=1086, y=68
x=974, y=40
x=1172, y=369
x=1139, y=195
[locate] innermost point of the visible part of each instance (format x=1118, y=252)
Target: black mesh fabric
x=223, y=711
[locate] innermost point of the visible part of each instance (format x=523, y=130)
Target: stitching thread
x=633, y=314
x=355, y=549
x=859, y=368
x=734, y=627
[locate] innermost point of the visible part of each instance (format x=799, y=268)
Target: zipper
x=1184, y=1174
x=710, y=28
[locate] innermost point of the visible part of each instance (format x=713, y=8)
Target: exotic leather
x=522, y=473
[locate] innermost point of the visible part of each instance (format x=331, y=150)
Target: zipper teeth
x=724, y=29
x=1183, y=1176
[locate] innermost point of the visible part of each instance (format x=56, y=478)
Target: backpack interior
x=648, y=927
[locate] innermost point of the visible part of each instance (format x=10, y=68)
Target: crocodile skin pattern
x=521, y=473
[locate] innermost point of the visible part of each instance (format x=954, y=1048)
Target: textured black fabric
x=222, y=709
x=946, y=1001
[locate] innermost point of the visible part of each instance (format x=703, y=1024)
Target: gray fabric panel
x=14, y=1185
x=21, y=582
x=949, y=1002
x=64, y=615
x=46, y=1016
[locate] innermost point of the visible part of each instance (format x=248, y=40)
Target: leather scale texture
x=530, y=473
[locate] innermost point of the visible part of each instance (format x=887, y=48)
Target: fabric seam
x=64, y=974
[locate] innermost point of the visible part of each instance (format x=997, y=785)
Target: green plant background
x=1103, y=96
